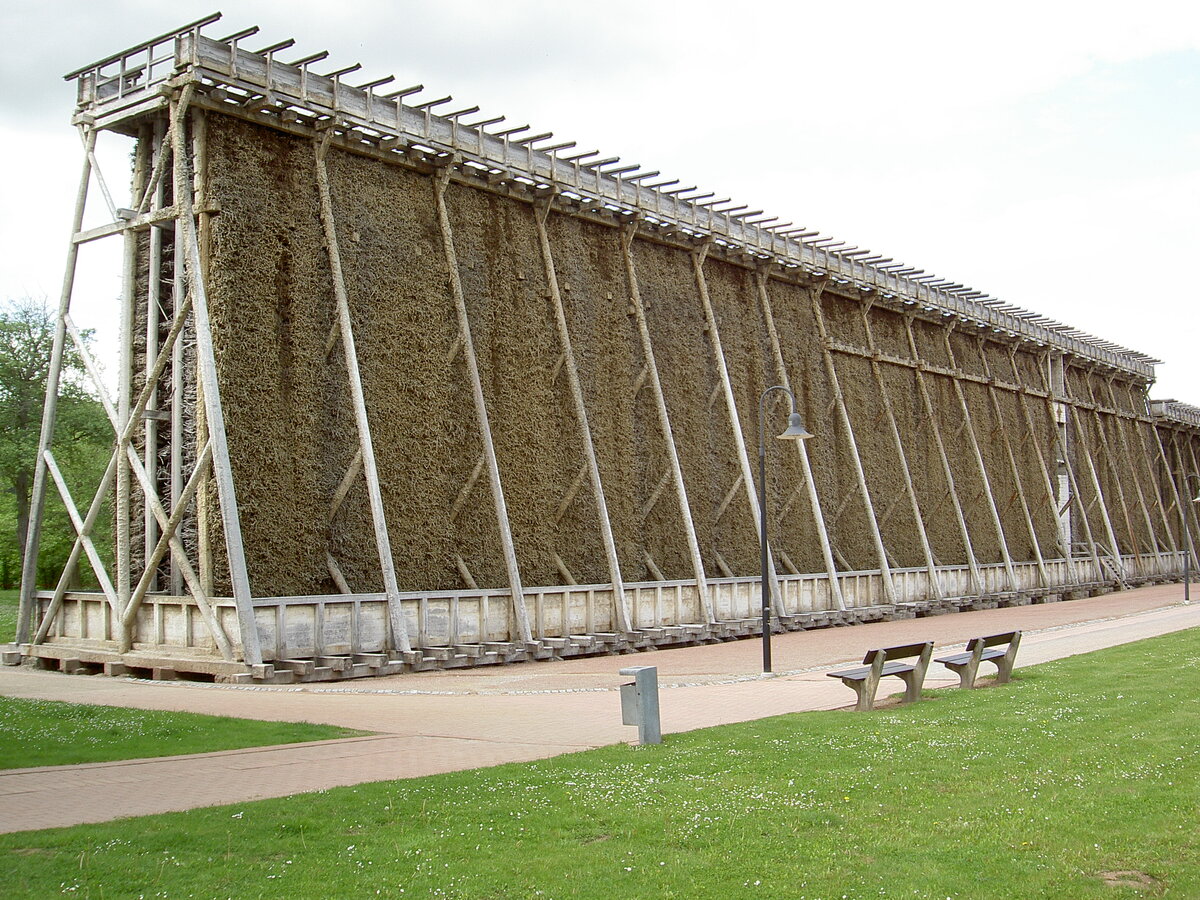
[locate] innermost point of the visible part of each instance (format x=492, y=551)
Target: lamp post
x=1187, y=541
x=795, y=432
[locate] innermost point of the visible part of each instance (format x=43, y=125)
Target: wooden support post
x=214, y=414
x=814, y=500
x=1169, y=458
x=935, y=585
x=481, y=413
x=973, y=440
x=1114, y=548
x=1013, y=468
x=1054, y=374
x=1115, y=473
x=1058, y=408
x=1058, y=403
x=620, y=604
x=1148, y=460
x=366, y=448
x=1122, y=460
x=1131, y=463
x=1064, y=536
x=735, y=425
x=177, y=376
x=153, y=302
x=1155, y=482
x=37, y=496
x=839, y=400
x=1186, y=466
x=123, y=507
x=931, y=413
x=664, y=421
x=1181, y=500
x=1187, y=498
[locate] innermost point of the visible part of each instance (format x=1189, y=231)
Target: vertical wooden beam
x=814, y=501
x=383, y=544
x=481, y=414
x=735, y=425
x=177, y=398
x=885, y=570
x=1152, y=470
x=935, y=585
x=1059, y=407
x=1055, y=384
x=1159, y=493
x=1062, y=528
x=1182, y=502
x=1114, y=471
x=1187, y=495
x=123, y=512
x=664, y=421
x=973, y=439
x=1114, y=549
x=620, y=603
x=146, y=150
x=214, y=414
x=993, y=396
x=1125, y=457
x=931, y=413
x=1131, y=460
x=204, y=531
x=37, y=498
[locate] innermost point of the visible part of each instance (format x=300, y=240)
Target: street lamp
x=795, y=432
x=1187, y=541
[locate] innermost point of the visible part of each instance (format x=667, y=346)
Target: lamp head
x=797, y=432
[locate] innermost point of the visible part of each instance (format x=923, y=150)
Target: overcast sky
x=1046, y=152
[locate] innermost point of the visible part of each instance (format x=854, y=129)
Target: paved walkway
x=446, y=721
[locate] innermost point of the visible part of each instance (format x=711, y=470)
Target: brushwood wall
x=934, y=443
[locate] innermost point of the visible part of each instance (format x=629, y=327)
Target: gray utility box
x=639, y=703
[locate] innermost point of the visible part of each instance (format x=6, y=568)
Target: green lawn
x=44, y=733
x=47, y=733
x=1035, y=789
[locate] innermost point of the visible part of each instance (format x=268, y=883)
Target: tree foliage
x=81, y=440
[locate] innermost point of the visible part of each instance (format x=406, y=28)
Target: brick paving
x=447, y=721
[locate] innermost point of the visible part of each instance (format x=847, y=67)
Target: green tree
x=81, y=443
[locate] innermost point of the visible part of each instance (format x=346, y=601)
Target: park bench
x=1000, y=649
x=888, y=661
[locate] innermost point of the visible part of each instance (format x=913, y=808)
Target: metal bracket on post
x=639, y=703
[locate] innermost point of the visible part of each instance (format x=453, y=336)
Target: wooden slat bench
x=1000, y=649
x=887, y=661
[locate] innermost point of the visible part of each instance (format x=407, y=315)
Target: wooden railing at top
x=1175, y=412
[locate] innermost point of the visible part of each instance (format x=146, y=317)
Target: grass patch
x=1078, y=780
x=49, y=733
x=8, y=615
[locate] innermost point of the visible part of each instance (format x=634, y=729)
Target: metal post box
x=639, y=703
